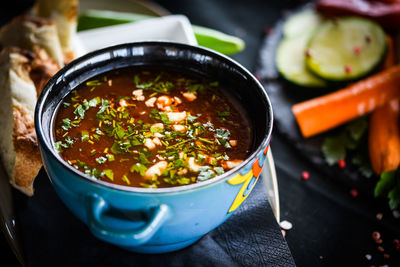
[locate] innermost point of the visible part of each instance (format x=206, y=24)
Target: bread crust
x=23, y=75
x=28, y=160
x=65, y=14
x=28, y=32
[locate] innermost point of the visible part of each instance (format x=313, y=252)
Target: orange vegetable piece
x=384, y=138
x=384, y=133
x=326, y=112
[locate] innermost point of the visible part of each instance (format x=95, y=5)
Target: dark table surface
x=330, y=227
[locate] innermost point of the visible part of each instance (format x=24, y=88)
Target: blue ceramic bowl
x=162, y=219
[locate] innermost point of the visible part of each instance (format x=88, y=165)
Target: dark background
x=330, y=227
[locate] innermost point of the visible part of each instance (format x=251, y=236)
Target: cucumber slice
x=301, y=23
x=219, y=41
x=92, y=19
x=290, y=62
x=346, y=48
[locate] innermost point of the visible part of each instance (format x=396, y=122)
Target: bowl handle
x=96, y=206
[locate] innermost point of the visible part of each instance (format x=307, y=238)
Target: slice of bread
x=28, y=32
x=19, y=149
x=65, y=15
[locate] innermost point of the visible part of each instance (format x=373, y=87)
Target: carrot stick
x=384, y=132
x=384, y=138
x=326, y=112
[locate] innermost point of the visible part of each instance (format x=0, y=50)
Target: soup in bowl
x=153, y=144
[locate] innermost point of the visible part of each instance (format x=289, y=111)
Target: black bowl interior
x=179, y=57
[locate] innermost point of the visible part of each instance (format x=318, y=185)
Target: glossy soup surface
x=151, y=128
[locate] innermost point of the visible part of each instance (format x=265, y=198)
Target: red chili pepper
x=386, y=13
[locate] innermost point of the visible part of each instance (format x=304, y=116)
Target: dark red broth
x=151, y=128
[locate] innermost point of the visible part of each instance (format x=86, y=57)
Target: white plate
x=169, y=28
x=175, y=28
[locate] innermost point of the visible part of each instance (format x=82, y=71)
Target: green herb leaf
x=93, y=83
x=139, y=168
x=357, y=128
x=126, y=180
x=104, y=105
x=66, y=124
x=94, y=102
x=143, y=159
x=334, y=148
x=85, y=135
x=191, y=118
x=205, y=173
x=101, y=160
x=387, y=181
x=394, y=197
x=219, y=170
x=223, y=115
x=110, y=157
x=109, y=173
x=80, y=111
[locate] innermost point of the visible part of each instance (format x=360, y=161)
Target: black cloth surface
x=330, y=227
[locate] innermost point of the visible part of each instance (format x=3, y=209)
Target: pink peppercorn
x=354, y=192
x=342, y=163
x=305, y=175
x=376, y=236
x=347, y=69
x=386, y=256
x=357, y=50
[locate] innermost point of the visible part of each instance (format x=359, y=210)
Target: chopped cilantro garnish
x=93, y=83
x=104, y=105
x=66, y=124
x=101, y=160
x=219, y=170
x=191, y=118
x=139, y=168
x=223, y=115
x=125, y=179
x=80, y=111
x=94, y=102
x=110, y=157
x=120, y=121
x=84, y=136
x=59, y=145
x=205, y=173
x=109, y=174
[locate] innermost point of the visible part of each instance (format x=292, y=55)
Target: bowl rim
x=48, y=147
